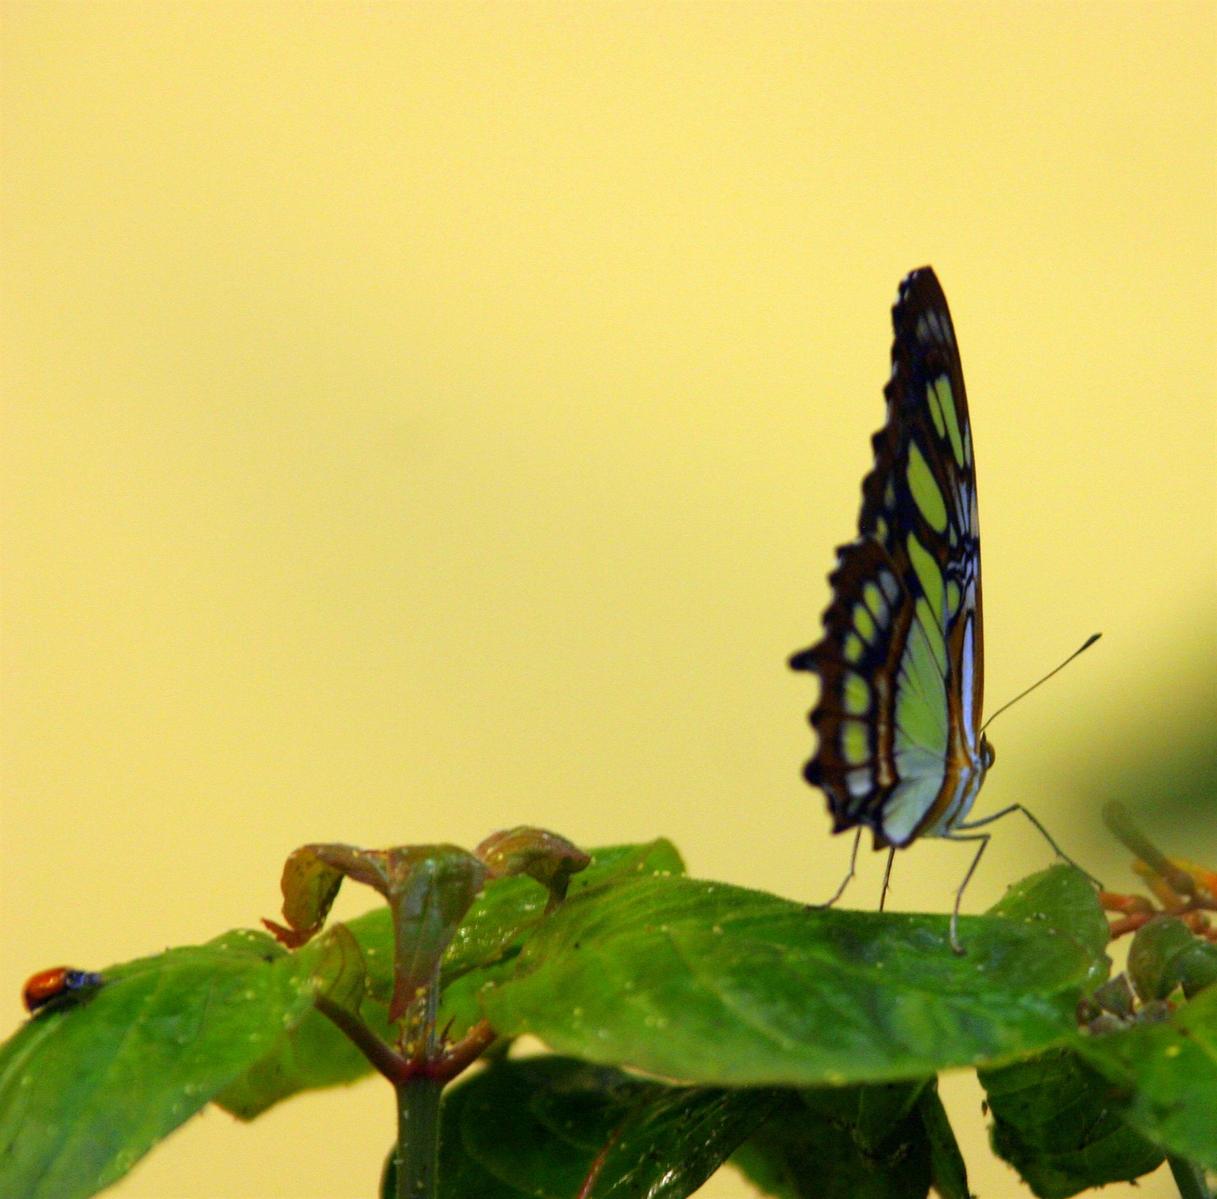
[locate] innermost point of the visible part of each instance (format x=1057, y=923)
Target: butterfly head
x=988, y=755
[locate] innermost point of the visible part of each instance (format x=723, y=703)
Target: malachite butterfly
x=901, y=662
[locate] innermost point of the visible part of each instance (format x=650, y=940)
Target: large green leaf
x=1056, y=1124
x=86, y=1090
x=508, y=909
x=718, y=985
x=541, y=1127
x=887, y=1141
x=1164, y=1077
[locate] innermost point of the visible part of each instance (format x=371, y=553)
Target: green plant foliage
x=718, y=985
x=1056, y=1124
x=313, y=1053
x=310, y=1053
x=808, y=1039
x=511, y=907
x=1165, y=954
x=543, y=856
x=1060, y=902
x=1164, y=1077
x=87, y=1090
x=889, y=1141
x=506, y=911
x=947, y=1170
x=540, y=1127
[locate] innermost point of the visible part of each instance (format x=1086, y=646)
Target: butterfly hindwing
x=897, y=720
x=867, y=626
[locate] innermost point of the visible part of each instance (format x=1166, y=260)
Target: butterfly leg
x=853, y=861
x=1018, y=807
x=887, y=875
x=953, y=934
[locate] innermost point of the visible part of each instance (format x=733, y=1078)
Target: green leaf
x=87, y=1090
x=947, y=1170
x=719, y=985
x=307, y=1054
x=506, y=911
x=310, y=1055
x=461, y=1003
x=509, y=908
x=1055, y=1123
x=1062, y=902
x=1189, y=1178
x=309, y=885
x=340, y=973
x=875, y=1142
x=869, y=1114
x=1166, y=954
x=1165, y=1077
x=670, y=1142
x=429, y=889
x=541, y=1127
x=544, y=856
x=315, y=1054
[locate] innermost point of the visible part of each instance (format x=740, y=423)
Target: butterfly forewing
x=900, y=661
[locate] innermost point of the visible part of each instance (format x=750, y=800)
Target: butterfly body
x=901, y=661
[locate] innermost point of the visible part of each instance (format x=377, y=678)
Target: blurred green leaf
x=1062, y=903
x=1056, y=1124
x=308, y=1056
x=947, y=1170
x=1166, y=954
x=339, y=972
x=1164, y=1077
x=719, y=985
x=86, y=1091
x=540, y=1127
x=890, y=1141
x=867, y=1114
x=461, y=1002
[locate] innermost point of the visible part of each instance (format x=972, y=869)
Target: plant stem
x=417, y=1136
x=379, y=1054
x=418, y=1096
x=459, y=1056
x=1189, y=1178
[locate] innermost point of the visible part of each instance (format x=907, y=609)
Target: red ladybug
x=58, y=983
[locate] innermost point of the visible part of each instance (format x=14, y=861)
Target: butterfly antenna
x=1023, y=694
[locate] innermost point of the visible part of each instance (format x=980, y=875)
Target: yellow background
x=423, y=419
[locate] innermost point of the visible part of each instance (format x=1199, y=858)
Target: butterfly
x=901, y=661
